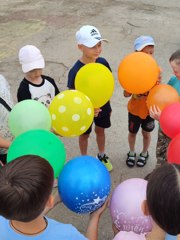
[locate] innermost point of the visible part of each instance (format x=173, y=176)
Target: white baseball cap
x=89, y=36
x=143, y=41
x=30, y=58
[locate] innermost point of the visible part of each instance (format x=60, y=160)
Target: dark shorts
x=102, y=121
x=135, y=122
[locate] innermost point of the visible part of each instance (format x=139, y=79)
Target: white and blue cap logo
x=89, y=36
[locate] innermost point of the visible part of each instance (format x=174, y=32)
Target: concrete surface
x=51, y=26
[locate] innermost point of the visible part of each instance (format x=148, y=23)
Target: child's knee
x=146, y=135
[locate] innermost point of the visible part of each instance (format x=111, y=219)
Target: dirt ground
x=51, y=26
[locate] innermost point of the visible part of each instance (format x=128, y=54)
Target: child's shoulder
x=75, y=68
x=173, y=80
x=59, y=229
x=50, y=79
x=103, y=61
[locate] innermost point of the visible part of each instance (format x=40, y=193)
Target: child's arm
x=97, y=111
x=4, y=143
x=92, y=230
x=115, y=230
x=23, y=92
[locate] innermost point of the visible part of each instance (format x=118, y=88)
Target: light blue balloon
x=84, y=184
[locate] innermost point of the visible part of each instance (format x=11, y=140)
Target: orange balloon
x=162, y=95
x=138, y=72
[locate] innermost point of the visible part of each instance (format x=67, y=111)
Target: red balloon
x=173, y=155
x=170, y=120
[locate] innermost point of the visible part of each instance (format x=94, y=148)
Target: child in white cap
x=89, y=42
x=35, y=85
x=138, y=113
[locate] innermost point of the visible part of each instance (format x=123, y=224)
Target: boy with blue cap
x=138, y=113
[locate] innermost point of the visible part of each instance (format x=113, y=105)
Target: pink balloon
x=125, y=206
x=169, y=119
x=129, y=236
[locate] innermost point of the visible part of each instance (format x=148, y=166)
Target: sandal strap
x=142, y=160
x=131, y=158
x=130, y=161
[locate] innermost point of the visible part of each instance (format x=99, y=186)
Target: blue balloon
x=84, y=184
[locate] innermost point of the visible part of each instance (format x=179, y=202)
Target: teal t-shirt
x=175, y=83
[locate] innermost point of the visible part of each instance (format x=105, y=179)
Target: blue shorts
x=135, y=122
x=100, y=121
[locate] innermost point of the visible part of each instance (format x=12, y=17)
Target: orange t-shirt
x=137, y=106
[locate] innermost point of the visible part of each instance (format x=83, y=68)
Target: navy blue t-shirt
x=106, y=109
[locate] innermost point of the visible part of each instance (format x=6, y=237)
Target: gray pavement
x=51, y=26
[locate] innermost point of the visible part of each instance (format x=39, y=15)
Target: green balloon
x=42, y=143
x=27, y=115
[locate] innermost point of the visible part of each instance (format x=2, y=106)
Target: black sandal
x=142, y=160
x=130, y=161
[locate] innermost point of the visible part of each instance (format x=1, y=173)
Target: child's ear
x=144, y=208
x=80, y=47
x=50, y=202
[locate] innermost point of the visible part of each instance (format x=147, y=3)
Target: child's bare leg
x=146, y=141
x=83, y=143
x=100, y=139
x=132, y=140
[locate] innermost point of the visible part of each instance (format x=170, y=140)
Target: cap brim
x=34, y=65
x=92, y=43
x=144, y=45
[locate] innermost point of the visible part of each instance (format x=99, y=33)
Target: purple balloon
x=129, y=236
x=125, y=206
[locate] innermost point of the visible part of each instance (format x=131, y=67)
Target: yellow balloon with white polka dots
x=71, y=112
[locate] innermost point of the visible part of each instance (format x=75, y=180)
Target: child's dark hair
x=175, y=57
x=163, y=197
x=25, y=186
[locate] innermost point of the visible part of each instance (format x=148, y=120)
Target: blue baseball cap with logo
x=143, y=41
